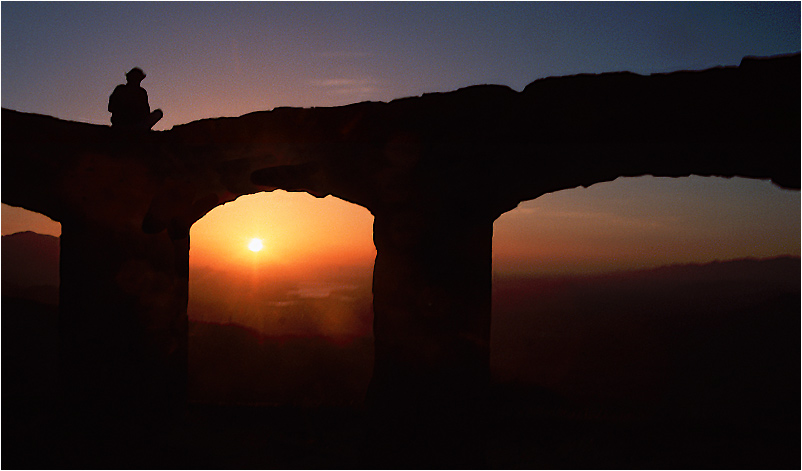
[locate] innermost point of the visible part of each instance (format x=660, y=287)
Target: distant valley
x=30, y=266
x=690, y=339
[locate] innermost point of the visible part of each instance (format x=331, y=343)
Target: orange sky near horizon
x=296, y=229
x=627, y=224
x=229, y=58
x=647, y=222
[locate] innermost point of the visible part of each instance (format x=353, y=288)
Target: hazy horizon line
x=358, y=265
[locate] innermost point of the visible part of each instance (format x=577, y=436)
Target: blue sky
x=230, y=58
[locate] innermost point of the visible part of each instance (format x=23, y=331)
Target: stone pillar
x=123, y=323
x=432, y=296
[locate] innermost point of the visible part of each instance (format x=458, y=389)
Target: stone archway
x=301, y=308
x=435, y=172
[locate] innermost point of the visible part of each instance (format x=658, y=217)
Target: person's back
x=129, y=105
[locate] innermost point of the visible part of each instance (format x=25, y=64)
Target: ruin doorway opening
x=641, y=296
x=30, y=268
x=280, y=302
x=30, y=291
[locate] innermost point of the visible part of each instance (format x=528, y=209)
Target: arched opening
x=30, y=279
x=651, y=306
x=30, y=255
x=280, y=303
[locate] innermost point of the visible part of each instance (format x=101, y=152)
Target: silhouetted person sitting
x=129, y=105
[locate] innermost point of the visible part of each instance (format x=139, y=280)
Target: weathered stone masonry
x=435, y=171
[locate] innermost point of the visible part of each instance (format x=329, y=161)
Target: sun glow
x=296, y=230
x=255, y=245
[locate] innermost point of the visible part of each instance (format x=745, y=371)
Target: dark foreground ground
x=638, y=372
x=243, y=437
x=515, y=438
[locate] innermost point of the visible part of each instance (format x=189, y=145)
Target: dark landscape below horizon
x=680, y=366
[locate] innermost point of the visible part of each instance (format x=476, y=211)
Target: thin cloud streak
x=342, y=82
x=344, y=54
x=356, y=88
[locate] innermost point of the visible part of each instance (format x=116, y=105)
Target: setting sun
x=295, y=229
x=255, y=245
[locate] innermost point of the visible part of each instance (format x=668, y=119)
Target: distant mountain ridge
x=30, y=266
x=779, y=268
x=31, y=259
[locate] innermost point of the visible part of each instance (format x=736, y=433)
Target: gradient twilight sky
x=227, y=59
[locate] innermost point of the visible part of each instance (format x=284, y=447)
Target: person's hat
x=135, y=74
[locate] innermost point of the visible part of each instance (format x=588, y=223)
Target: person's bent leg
x=154, y=118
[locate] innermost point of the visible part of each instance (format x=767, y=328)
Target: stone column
x=432, y=296
x=123, y=323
